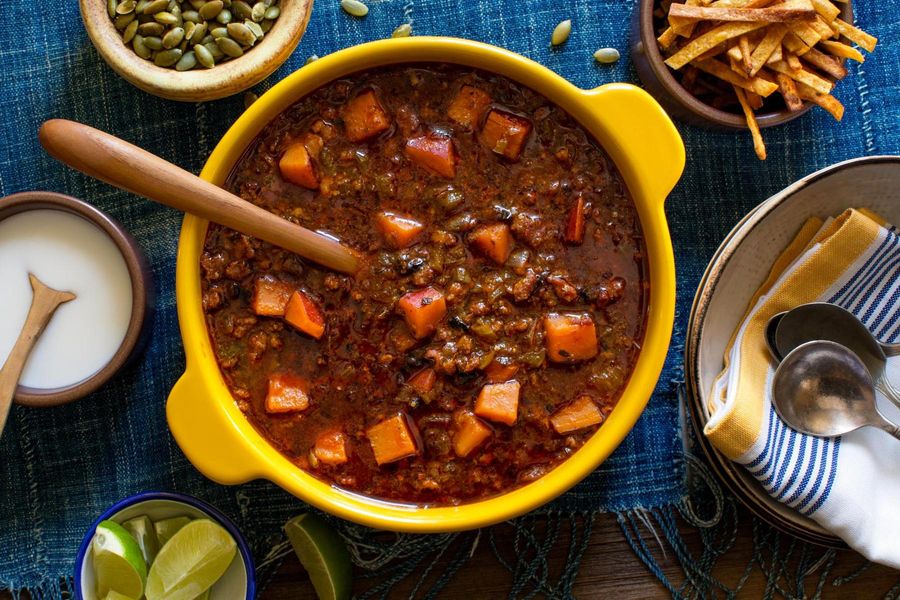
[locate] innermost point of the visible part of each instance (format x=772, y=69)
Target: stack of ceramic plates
x=736, y=272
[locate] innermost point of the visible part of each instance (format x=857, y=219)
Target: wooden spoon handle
x=126, y=166
x=43, y=304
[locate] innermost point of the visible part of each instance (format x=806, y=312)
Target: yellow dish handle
x=207, y=435
x=638, y=126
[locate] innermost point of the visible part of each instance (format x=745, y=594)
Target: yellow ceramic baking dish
x=635, y=132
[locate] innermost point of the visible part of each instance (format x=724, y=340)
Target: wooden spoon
x=43, y=304
x=130, y=168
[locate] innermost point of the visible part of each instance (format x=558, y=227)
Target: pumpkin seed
x=140, y=48
x=111, y=6
x=173, y=37
x=125, y=7
x=273, y=12
x=191, y=16
x=155, y=6
x=255, y=28
x=130, y=32
x=355, y=8
x=214, y=50
x=218, y=32
x=123, y=21
x=209, y=10
x=224, y=17
x=208, y=39
x=153, y=42
x=241, y=9
x=140, y=6
x=561, y=33
x=189, y=28
x=186, y=62
x=166, y=18
x=167, y=58
x=241, y=33
x=151, y=28
x=606, y=55
x=266, y=25
x=199, y=33
x=183, y=46
x=312, y=59
x=404, y=30
x=249, y=99
x=230, y=47
x=258, y=12
x=204, y=56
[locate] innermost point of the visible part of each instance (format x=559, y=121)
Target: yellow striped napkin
x=848, y=484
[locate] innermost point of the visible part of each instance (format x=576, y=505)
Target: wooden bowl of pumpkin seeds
x=195, y=50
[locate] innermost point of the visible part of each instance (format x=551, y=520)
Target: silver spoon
x=823, y=389
x=824, y=321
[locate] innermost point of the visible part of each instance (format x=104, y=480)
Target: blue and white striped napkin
x=850, y=484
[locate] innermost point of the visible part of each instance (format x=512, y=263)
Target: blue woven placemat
x=61, y=467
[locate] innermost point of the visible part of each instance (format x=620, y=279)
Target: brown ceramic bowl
x=198, y=84
x=141, y=286
x=659, y=80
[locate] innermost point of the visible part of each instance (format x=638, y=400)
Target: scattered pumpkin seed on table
x=354, y=8
x=188, y=34
x=404, y=30
x=606, y=55
x=561, y=33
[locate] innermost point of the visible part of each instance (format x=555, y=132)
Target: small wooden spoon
x=43, y=304
x=130, y=168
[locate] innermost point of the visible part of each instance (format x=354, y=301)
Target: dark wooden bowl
x=657, y=77
x=142, y=296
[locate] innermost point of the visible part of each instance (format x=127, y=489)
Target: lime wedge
x=166, y=528
x=114, y=595
x=191, y=561
x=118, y=563
x=144, y=533
x=323, y=554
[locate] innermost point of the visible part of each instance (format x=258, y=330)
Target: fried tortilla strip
x=737, y=66
x=857, y=36
x=807, y=34
x=826, y=9
x=710, y=40
x=826, y=101
x=744, y=44
x=742, y=3
x=826, y=64
x=811, y=79
x=777, y=55
x=722, y=71
x=794, y=44
x=667, y=38
x=789, y=92
x=842, y=50
x=791, y=10
x=822, y=28
x=682, y=27
x=793, y=62
x=758, y=145
x=734, y=52
x=754, y=100
x=766, y=47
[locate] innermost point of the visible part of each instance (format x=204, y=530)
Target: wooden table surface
x=609, y=569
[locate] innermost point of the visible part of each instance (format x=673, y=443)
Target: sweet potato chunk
x=499, y=402
x=423, y=381
x=500, y=370
x=575, y=225
x=434, y=152
x=331, y=448
x=471, y=432
x=577, y=415
x=494, y=241
x=297, y=166
x=286, y=394
x=423, y=310
x=394, y=438
x=505, y=133
x=303, y=314
x=570, y=337
x=468, y=105
x=399, y=231
x=364, y=117
x=270, y=297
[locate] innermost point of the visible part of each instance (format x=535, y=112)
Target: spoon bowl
x=821, y=388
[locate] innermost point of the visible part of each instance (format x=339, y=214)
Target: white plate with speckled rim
x=735, y=273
